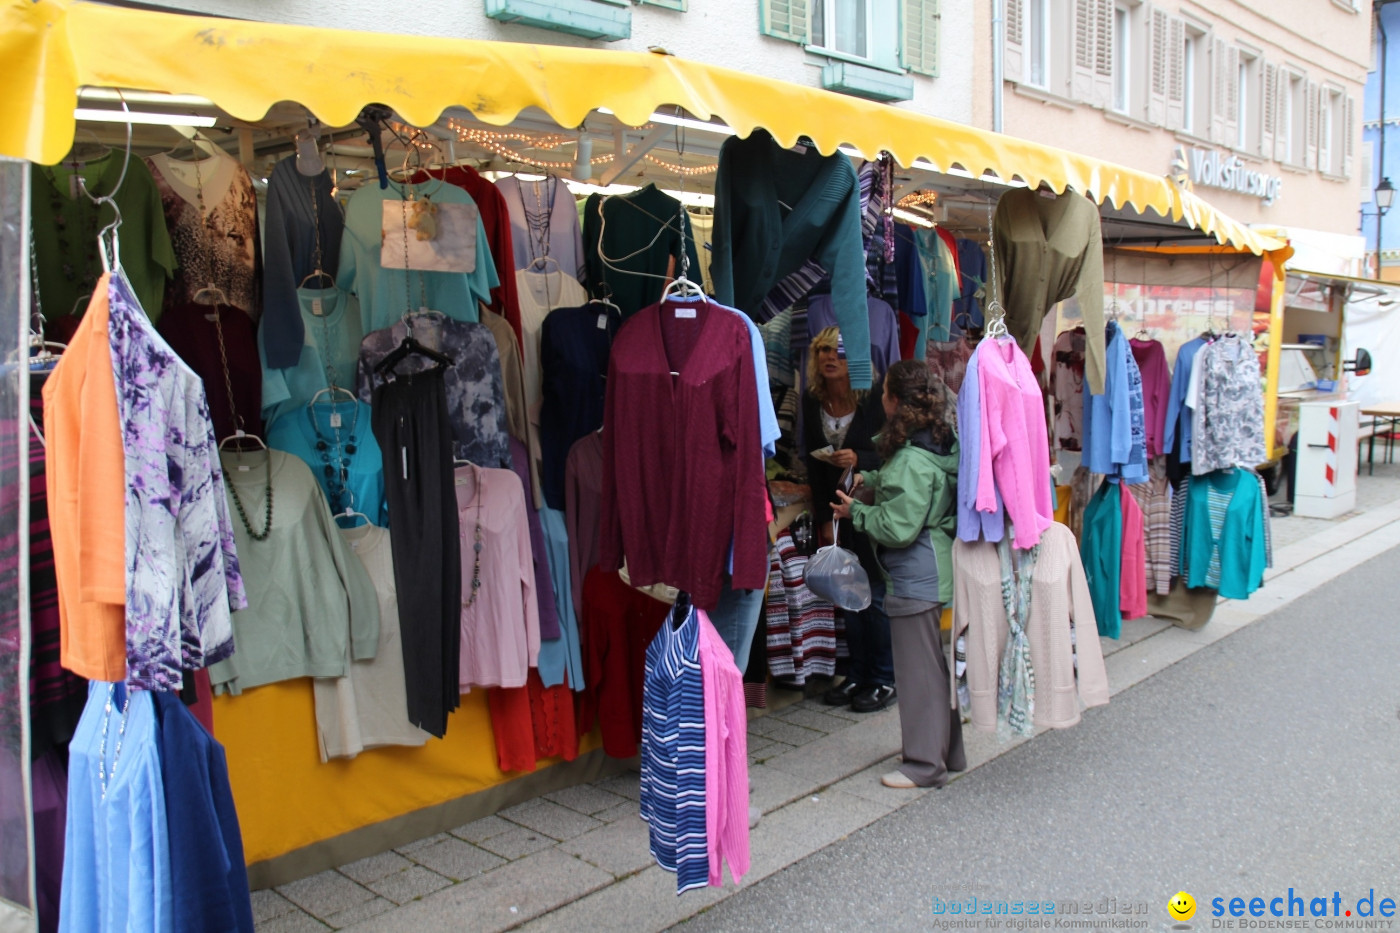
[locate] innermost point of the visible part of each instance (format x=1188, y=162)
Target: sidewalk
x=577, y=858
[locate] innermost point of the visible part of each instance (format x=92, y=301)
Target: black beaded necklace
x=338, y=473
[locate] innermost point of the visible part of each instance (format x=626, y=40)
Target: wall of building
x=720, y=32
x=1324, y=43
x=1371, y=139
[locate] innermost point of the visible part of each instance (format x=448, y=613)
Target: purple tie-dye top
x=182, y=579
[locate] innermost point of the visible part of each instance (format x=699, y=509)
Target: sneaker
x=873, y=699
x=755, y=814
x=898, y=780
x=842, y=695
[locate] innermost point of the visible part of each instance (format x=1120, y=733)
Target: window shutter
x=1157, y=68
x=1268, y=108
x=785, y=19
x=1220, y=95
x=1082, y=86
x=1013, y=47
x=1176, y=73
x=1310, y=111
x=1232, y=96
x=1282, y=128
x=1103, y=53
x=668, y=4
x=1349, y=145
x=919, y=51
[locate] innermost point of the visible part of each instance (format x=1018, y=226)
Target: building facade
x=1381, y=143
x=911, y=53
x=1254, y=101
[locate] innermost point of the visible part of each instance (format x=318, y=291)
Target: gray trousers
x=930, y=727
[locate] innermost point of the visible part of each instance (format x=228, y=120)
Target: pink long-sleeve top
x=501, y=627
x=726, y=758
x=1015, y=449
x=1151, y=358
x=1132, y=576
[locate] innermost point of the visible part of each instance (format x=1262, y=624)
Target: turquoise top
x=331, y=347
x=318, y=444
x=1224, y=533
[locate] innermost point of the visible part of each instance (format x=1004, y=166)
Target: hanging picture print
x=421, y=234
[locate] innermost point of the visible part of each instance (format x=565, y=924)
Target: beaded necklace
x=477, y=546
x=243, y=515
x=103, y=775
x=337, y=474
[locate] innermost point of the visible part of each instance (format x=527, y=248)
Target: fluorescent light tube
x=718, y=129
x=139, y=116
x=144, y=97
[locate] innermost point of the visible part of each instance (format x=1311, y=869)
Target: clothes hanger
x=680, y=611
x=409, y=345
x=239, y=437
x=331, y=391
x=349, y=513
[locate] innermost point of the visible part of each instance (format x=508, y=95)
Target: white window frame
x=883, y=28
x=829, y=41
x=1286, y=117
x=1188, y=82
x=1038, y=47
x=1326, y=133
x=1297, y=118
x=1122, y=59
x=1242, y=104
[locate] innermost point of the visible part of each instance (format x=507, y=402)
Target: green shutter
x=919, y=51
x=785, y=19
x=668, y=4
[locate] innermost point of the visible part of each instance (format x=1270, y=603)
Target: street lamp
x=1385, y=196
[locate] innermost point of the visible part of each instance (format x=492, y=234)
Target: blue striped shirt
x=673, y=753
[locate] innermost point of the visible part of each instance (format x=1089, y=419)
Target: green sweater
x=311, y=603
x=916, y=489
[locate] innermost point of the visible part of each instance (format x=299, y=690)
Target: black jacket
x=860, y=437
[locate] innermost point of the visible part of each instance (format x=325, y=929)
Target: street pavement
x=1265, y=761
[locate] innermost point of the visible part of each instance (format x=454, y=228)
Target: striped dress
x=673, y=752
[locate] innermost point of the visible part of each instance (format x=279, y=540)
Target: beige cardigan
x=1059, y=593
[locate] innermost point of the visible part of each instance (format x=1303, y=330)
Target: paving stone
x=483, y=828
x=630, y=809
x=360, y=912
x=771, y=727
x=843, y=712
x=585, y=798
x=811, y=719
x=410, y=884
x=456, y=859
x=325, y=893
x=294, y=922
x=757, y=743
x=866, y=785
x=268, y=904
x=544, y=816
x=772, y=789
x=500, y=899
x=517, y=842
x=422, y=843
x=624, y=785
x=375, y=867
x=621, y=848
x=841, y=754
x=642, y=903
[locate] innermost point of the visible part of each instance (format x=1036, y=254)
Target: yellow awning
x=51, y=48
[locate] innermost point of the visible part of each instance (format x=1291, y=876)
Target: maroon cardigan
x=682, y=461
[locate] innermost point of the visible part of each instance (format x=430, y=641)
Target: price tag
x=602, y=322
x=335, y=419
x=684, y=313
x=317, y=308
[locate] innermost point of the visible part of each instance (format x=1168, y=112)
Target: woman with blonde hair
x=834, y=416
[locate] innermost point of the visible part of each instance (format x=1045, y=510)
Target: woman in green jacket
x=912, y=521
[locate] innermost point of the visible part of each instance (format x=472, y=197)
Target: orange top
x=85, y=466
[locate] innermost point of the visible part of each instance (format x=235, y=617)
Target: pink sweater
x=1014, y=447
x=726, y=757
x=1132, y=586
x=501, y=629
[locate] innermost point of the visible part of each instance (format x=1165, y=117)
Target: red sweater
x=682, y=462
x=496, y=219
x=617, y=624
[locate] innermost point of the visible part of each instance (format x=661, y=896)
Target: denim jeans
x=868, y=640
x=735, y=617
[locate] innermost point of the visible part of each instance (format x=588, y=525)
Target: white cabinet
x=1326, y=459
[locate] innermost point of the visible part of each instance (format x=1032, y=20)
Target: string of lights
x=496, y=141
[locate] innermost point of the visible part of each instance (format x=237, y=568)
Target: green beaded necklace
x=243, y=515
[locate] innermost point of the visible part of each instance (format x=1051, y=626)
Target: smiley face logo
x=1182, y=906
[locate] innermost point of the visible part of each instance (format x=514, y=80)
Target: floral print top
x=182, y=578
x=1228, y=421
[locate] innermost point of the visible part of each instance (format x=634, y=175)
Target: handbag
x=835, y=574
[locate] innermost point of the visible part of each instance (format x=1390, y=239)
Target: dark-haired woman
x=912, y=521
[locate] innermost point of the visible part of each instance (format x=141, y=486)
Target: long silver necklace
x=103, y=775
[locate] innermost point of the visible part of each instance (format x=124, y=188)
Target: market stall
x=491, y=113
